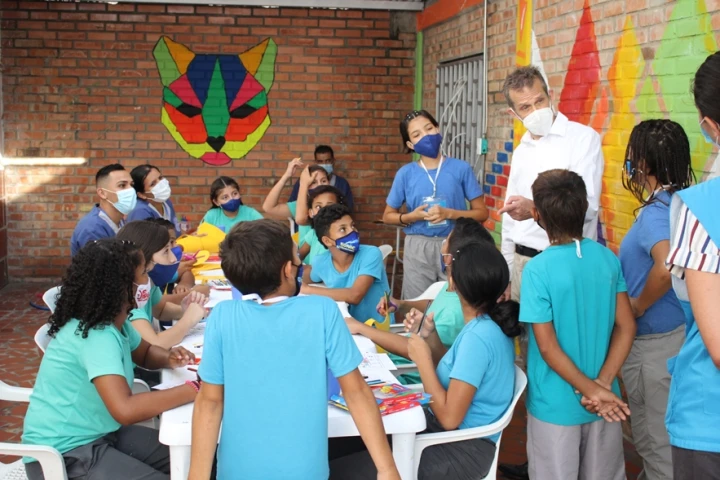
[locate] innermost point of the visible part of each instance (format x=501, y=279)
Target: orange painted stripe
x=443, y=10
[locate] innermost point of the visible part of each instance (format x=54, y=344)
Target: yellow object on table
x=207, y=237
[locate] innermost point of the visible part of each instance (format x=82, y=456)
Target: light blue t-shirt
x=93, y=226
x=651, y=227
x=144, y=210
x=272, y=360
x=217, y=218
x=303, y=229
x=579, y=296
x=456, y=183
x=484, y=357
x=367, y=261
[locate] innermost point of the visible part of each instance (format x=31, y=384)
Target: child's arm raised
x=270, y=205
x=301, y=213
x=207, y=417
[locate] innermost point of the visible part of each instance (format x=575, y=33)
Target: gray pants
x=695, y=465
x=421, y=264
x=647, y=382
x=131, y=453
x=593, y=451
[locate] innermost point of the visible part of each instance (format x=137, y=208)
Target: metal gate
x=459, y=106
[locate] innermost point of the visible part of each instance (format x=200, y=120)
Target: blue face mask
x=350, y=243
x=429, y=145
x=178, y=252
x=328, y=167
x=161, y=275
x=707, y=136
x=231, y=205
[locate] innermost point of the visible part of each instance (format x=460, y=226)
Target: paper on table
x=194, y=337
x=217, y=296
x=168, y=384
x=212, y=273
x=377, y=360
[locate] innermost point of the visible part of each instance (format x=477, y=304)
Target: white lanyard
x=256, y=298
x=437, y=173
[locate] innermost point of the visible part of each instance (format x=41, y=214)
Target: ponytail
x=507, y=317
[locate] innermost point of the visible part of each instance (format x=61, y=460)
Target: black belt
x=526, y=251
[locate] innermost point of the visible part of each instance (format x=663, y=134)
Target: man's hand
x=519, y=208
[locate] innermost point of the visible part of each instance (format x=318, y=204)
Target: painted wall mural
x=216, y=106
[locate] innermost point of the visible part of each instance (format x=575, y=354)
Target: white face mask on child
x=142, y=294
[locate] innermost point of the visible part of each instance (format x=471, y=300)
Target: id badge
x=432, y=201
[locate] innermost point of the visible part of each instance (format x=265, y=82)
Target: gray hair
x=523, y=77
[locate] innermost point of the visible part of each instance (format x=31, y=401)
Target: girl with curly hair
x=148, y=303
x=82, y=403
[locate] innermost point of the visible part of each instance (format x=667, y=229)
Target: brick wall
x=3, y=216
x=80, y=81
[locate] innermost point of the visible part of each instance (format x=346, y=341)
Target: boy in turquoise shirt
x=264, y=370
x=352, y=273
x=574, y=296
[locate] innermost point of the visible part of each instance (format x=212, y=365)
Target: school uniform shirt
x=144, y=210
x=367, y=261
x=456, y=183
x=651, y=227
x=568, y=146
x=272, y=360
x=449, y=321
x=316, y=247
x=93, y=226
x=693, y=414
x=216, y=217
x=336, y=181
x=146, y=312
x=303, y=229
x=484, y=357
x=579, y=296
x=66, y=410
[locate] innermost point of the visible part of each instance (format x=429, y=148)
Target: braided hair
x=659, y=148
x=97, y=286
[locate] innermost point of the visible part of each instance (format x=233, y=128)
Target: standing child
x=227, y=206
x=352, y=273
x=574, y=296
x=285, y=344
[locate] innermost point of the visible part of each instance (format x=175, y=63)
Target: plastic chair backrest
x=431, y=292
x=50, y=298
x=385, y=250
x=42, y=339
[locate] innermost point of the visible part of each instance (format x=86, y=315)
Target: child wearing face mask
x=153, y=193
x=227, y=206
x=352, y=273
x=319, y=197
x=160, y=265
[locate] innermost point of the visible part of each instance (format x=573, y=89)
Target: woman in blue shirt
x=657, y=165
x=472, y=382
x=153, y=193
x=435, y=191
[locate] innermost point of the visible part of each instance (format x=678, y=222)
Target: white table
x=176, y=424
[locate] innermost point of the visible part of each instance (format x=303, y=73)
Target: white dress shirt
x=570, y=146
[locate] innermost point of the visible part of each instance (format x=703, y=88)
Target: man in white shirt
x=552, y=141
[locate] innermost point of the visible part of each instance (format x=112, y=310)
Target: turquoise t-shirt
x=484, y=357
x=449, y=321
x=272, y=360
x=66, y=410
x=146, y=312
x=316, y=247
x=579, y=296
x=217, y=217
x=302, y=229
x=367, y=261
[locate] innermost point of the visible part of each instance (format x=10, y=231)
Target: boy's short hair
x=326, y=217
x=253, y=255
x=324, y=150
x=105, y=172
x=560, y=198
x=317, y=191
x=163, y=222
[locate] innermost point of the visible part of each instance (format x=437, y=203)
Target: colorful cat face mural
x=215, y=106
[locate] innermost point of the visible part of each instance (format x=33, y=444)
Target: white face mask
x=142, y=294
x=540, y=122
x=161, y=191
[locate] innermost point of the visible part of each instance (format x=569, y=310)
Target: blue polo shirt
x=93, y=226
x=261, y=354
x=651, y=227
x=144, y=210
x=456, y=183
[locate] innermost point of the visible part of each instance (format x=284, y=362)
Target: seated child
x=318, y=197
x=227, y=206
x=161, y=263
x=288, y=344
x=573, y=294
x=82, y=403
x=183, y=281
x=472, y=383
x=352, y=273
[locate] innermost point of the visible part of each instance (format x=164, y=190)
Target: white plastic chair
x=385, y=250
x=429, y=439
x=50, y=298
x=50, y=459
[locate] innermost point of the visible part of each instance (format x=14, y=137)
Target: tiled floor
x=20, y=360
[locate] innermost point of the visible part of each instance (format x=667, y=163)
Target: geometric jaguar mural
x=215, y=106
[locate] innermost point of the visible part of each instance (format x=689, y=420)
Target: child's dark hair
x=560, y=198
x=659, y=148
x=163, y=222
x=97, y=285
x=326, y=217
x=318, y=168
x=317, y=191
x=480, y=275
x=467, y=230
x=105, y=171
x=253, y=255
x=324, y=150
x=219, y=184
x=139, y=174
x=406, y=121
x=706, y=88
x=148, y=236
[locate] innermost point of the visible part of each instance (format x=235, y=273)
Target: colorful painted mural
x=215, y=106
